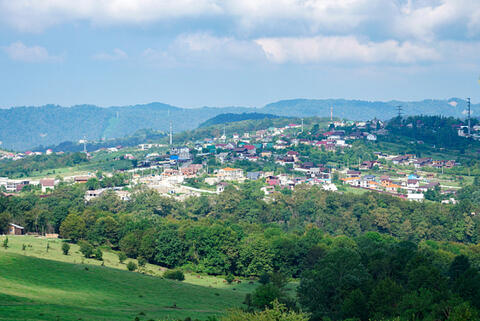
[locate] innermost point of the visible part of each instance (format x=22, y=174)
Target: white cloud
x=20, y=52
x=343, y=49
x=206, y=49
x=117, y=54
x=425, y=19
x=34, y=15
x=279, y=31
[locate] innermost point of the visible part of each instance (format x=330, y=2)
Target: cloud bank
x=20, y=52
x=273, y=31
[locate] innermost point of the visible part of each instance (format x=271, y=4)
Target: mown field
x=40, y=285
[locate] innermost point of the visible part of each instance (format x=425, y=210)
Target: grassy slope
x=36, y=285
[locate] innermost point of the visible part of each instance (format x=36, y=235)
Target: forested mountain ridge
x=25, y=127
x=230, y=117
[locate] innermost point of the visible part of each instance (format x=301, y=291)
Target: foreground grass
x=37, y=247
x=38, y=289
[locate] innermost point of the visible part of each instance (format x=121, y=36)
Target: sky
x=193, y=53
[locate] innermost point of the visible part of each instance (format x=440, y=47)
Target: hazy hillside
x=229, y=118
x=26, y=127
x=362, y=110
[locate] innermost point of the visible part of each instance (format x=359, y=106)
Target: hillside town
x=207, y=166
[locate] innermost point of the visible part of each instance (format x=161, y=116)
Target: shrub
x=86, y=249
x=65, y=248
x=5, y=243
x=98, y=254
x=230, y=278
x=122, y=257
x=174, y=275
x=131, y=266
x=141, y=261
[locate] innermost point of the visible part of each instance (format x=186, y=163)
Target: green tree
x=278, y=312
x=5, y=219
x=131, y=266
x=73, y=227
x=97, y=253
x=323, y=289
x=170, y=247
x=86, y=249
x=122, y=257
x=65, y=248
x=174, y=275
x=131, y=243
x=255, y=256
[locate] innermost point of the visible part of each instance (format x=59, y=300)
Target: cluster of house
x=17, y=156
x=228, y=174
x=412, y=186
x=412, y=160
x=121, y=194
x=16, y=185
x=45, y=184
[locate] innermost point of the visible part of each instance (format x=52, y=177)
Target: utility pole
x=469, y=113
x=399, y=111
x=84, y=144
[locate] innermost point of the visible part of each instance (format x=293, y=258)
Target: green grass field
x=40, y=285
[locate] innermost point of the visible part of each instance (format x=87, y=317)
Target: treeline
x=434, y=130
x=139, y=137
x=30, y=165
x=363, y=257
x=230, y=117
x=240, y=127
x=237, y=214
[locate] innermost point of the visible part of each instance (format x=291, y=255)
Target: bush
x=5, y=243
x=98, y=254
x=122, y=257
x=131, y=266
x=86, y=249
x=230, y=278
x=174, y=275
x=65, y=248
x=142, y=261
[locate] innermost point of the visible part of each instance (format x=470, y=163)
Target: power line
x=469, y=114
x=399, y=111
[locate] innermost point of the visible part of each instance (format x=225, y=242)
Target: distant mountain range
x=23, y=128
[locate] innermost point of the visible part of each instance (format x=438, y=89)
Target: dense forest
x=438, y=131
x=364, y=257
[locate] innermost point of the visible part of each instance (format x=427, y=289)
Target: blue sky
x=193, y=53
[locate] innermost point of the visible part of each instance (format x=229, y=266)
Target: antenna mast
x=84, y=144
x=331, y=114
x=469, y=113
x=302, y=125
x=171, y=136
x=399, y=111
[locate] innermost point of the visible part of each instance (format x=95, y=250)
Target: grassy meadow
x=40, y=285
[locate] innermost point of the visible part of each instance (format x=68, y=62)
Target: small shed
x=14, y=229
